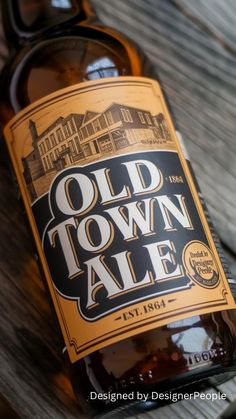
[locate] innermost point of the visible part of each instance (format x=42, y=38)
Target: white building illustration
x=78, y=138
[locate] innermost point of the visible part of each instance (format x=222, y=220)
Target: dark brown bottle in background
x=53, y=48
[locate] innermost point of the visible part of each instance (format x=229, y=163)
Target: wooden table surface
x=193, y=46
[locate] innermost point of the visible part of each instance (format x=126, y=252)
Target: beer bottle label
x=120, y=230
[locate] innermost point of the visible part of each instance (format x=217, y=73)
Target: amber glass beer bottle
x=130, y=262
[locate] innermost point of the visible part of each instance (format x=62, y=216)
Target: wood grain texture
x=192, y=45
x=33, y=376
x=214, y=17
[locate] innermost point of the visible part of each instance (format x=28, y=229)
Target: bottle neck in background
x=25, y=20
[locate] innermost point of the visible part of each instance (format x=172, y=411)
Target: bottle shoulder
x=64, y=59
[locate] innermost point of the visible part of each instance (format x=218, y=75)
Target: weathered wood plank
x=215, y=17
x=229, y=388
x=33, y=375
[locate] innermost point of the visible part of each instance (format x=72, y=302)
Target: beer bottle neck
x=25, y=20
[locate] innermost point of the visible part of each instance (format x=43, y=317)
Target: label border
x=84, y=88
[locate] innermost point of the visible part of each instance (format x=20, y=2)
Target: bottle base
x=164, y=393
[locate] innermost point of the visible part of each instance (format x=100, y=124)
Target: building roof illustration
x=89, y=115
x=51, y=126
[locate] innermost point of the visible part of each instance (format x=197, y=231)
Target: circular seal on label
x=200, y=264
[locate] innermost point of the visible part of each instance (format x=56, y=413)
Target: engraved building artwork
x=83, y=138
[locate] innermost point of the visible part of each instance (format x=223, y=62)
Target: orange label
x=115, y=214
